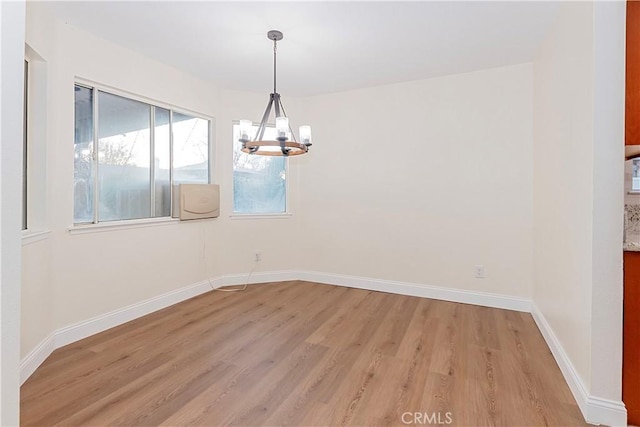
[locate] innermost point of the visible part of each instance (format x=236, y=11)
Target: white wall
x=578, y=189
x=609, y=99
x=92, y=274
x=563, y=180
x=235, y=240
x=36, y=314
x=11, y=74
x=37, y=290
x=420, y=181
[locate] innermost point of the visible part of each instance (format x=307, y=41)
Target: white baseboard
x=86, y=328
x=393, y=287
x=80, y=330
x=594, y=409
x=30, y=363
x=417, y=290
x=259, y=277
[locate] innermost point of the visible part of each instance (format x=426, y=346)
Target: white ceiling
x=327, y=46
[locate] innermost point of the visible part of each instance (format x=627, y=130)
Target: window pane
x=83, y=173
x=190, y=149
x=130, y=166
x=259, y=182
x=124, y=158
x=162, y=160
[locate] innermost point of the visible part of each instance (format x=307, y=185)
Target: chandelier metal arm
x=263, y=122
x=275, y=97
x=284, y=113
x=276, y=104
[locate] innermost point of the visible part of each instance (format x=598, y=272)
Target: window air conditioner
x=196, y=201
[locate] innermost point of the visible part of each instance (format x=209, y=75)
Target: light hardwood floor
x=299, y=353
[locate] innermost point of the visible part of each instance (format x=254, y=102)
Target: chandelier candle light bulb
x=286, y=144
x=305, y=135
x=245, y=130
x=282, y=128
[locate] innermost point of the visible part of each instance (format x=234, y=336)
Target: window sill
x=284, y=215
x=29, y=237
x=122, y=225
x=632, y=192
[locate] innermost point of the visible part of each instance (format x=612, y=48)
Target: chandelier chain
x=275, y=49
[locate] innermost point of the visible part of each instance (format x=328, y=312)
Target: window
x=141, y=150
x=635, y=177
x=34, y=147
x=259, y=182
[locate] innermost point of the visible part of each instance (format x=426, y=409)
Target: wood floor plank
x=299, y=353
x=184, y=317
x=352, y=344
x=275, y=387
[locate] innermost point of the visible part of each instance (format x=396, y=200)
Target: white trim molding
x=254, y=278
x=36, y=357
x=594, y=409
x=121, y=225
x=418, y=290
x=80, y=330
x=284, y=215
x=29, y=237
x=84, y=329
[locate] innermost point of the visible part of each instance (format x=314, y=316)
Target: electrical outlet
x=479, y=269
x=257, y=257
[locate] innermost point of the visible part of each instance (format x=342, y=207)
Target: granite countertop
x=631, y=246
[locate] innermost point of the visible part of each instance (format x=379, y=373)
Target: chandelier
x=285, y=143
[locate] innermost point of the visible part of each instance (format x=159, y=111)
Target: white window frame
x=96, y=225
x=275, y=215
x=36, y=160
x=26, y=121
